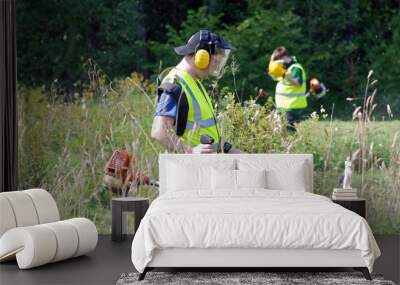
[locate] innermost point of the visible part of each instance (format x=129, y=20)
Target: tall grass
x=63, y=147
x=374, y=148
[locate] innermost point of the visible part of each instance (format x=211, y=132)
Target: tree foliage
x=336, y=41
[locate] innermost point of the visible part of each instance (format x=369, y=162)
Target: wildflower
x=262, y=93
x=373, y=82
x=370, y=74
x=356, y=112
x=314, y=115
x=389, y=111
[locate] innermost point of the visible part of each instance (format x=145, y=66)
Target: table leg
x=117, y=221
x=124, y=224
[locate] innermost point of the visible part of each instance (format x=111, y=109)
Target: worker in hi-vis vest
x=290, y=93
x=185, y=120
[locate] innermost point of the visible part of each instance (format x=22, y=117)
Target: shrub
x=63, y=147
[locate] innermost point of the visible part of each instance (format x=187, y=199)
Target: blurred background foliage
x=64, y=147
x=86, y=87
x=337, y=41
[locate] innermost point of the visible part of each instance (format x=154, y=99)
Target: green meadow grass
x=63, y=147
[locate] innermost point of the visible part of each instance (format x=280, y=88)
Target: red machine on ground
x=121, y=173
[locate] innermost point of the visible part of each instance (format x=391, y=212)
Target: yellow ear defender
x=204, y=49
x=276, y=69
x=202, y=59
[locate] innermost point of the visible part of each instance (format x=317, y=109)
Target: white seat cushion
x=46, y=207
x=27, y=208
x=87, y=235
x=33, y=246
x=7, y=220
x=37, y=245
x=23, y=208
x=31, y=232
x=67, y=240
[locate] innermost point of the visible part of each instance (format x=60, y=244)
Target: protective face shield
x=220, y=60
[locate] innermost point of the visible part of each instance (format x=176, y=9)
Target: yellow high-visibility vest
x=289, y=96
x=201, y=117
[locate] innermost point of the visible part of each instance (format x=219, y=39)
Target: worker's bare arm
x=292, y=80
x=163, y=131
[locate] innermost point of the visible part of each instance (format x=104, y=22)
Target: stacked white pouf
x=31, y=230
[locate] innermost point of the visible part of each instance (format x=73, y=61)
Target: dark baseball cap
x=194, y=41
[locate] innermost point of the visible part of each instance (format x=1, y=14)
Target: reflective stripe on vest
x=198, y=122
x=289, y=96
x=200, y=116
x=202, y=123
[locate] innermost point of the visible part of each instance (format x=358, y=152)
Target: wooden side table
x=119, y=207
x=357, y=205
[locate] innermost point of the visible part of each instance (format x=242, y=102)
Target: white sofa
x=31, y=231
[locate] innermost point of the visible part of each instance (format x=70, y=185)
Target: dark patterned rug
x=231, y=278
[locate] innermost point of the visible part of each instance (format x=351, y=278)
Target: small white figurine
x=347, y=174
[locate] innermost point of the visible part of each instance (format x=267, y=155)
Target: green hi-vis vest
x=201, y=119
x=289, y=96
